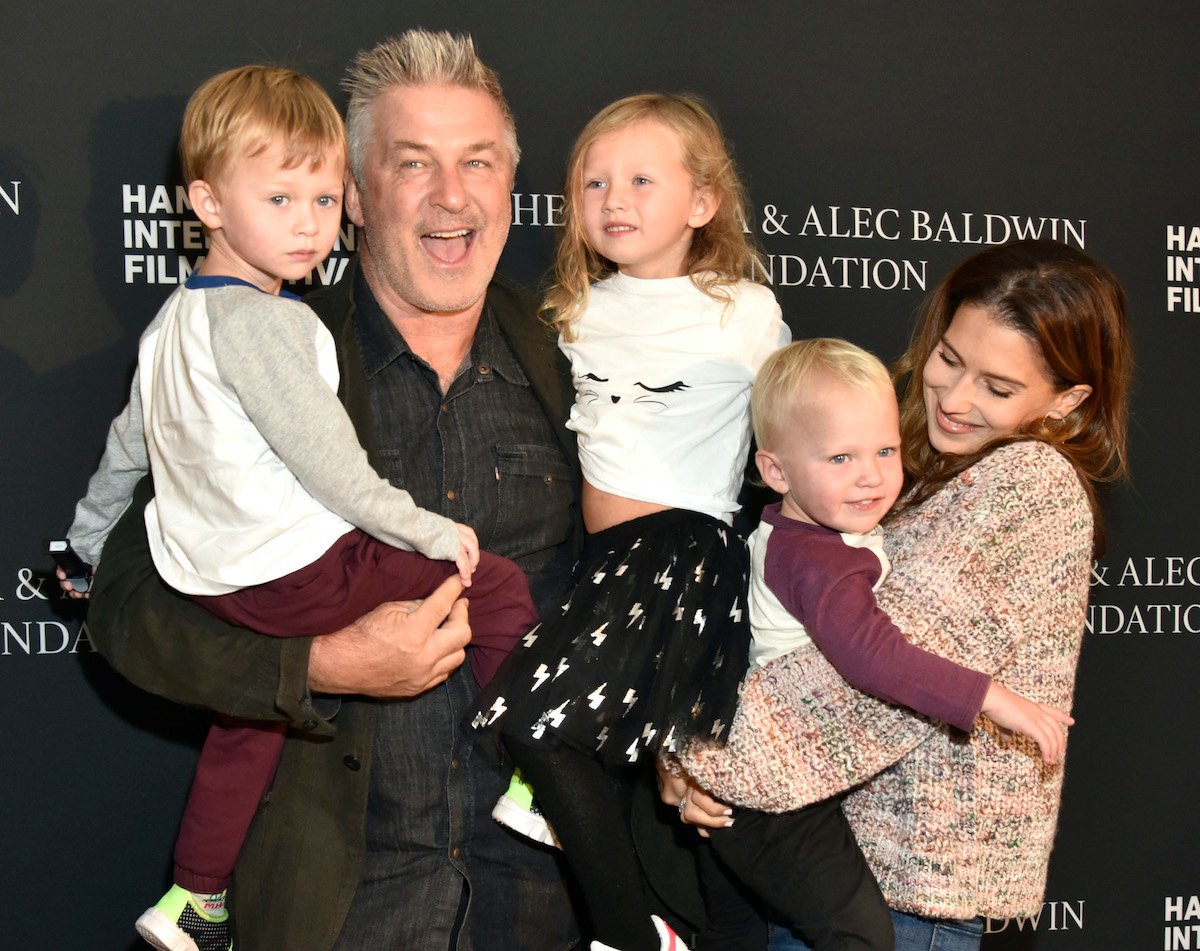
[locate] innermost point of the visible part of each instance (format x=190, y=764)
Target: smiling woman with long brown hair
x=1014, y=392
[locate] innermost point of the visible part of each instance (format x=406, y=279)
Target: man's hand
x=398, y=650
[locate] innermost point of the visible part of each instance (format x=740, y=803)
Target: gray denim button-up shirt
x=484, y=454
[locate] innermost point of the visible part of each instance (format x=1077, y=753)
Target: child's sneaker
x=183, y=921
x=517, y=810
x=668, y=940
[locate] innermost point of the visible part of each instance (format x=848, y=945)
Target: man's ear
x=205, y=204
x=352, y=200
x=1067, y=402
x=771, y=471
x=704, y=206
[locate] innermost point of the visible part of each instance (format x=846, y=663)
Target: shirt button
x=484, y=369
x=454, y=764
x=456, y=852
x=351, y=762
x=452, y=495
x=548, y=479
x=445, y=408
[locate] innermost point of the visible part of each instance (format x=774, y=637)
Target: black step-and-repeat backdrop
x=882, y=142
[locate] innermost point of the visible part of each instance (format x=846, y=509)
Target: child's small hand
x=468, y=553
x=1040, y=722
x=70, y=588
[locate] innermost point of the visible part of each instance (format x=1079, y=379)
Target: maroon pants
x=238, y=762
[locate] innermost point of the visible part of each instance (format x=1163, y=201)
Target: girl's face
x=986, y=380
x=639, y=206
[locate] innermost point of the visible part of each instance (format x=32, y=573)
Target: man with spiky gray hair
x=377, y=832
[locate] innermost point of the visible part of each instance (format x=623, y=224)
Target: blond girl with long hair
x=664, y=332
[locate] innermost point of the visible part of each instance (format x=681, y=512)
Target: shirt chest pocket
x=534, y=497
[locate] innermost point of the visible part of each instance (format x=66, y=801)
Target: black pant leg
x=588, y=806
x=807, y=866
x=733, y=920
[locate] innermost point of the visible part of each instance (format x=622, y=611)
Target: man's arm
x=163, y=642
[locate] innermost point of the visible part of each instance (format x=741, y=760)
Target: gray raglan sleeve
x=266, y=354
x=110, y=488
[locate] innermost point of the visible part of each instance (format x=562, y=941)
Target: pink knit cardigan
x=991, y=572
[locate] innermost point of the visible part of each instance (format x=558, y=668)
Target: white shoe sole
x=162, y=933
x=532, y=825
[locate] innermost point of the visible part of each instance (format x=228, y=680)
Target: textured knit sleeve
x=267, y=357
x=802, y=733
x=835, y=602
x=1002, y=566
x=992, y=571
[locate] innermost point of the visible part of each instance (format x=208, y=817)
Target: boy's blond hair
x=721, y=252
x=243, y=111
x=782, y=382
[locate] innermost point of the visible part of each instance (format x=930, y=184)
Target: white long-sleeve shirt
x=257, y=469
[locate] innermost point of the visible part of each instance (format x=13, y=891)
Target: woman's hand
x=1043, y=724
x=696, y=806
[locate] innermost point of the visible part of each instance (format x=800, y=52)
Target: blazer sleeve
x=163, y=642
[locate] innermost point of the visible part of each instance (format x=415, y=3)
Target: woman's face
x=985, y=380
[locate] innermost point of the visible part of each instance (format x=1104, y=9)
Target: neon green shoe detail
x=184, y=921
x=517, y=810
x=520, y=793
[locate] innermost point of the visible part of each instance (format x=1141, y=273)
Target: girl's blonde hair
x=721, y=252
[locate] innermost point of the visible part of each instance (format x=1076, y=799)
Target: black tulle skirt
x=649, y=650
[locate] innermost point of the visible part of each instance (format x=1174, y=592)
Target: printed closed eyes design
x=594, y=389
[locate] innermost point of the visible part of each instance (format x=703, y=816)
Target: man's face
x=434, y=200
